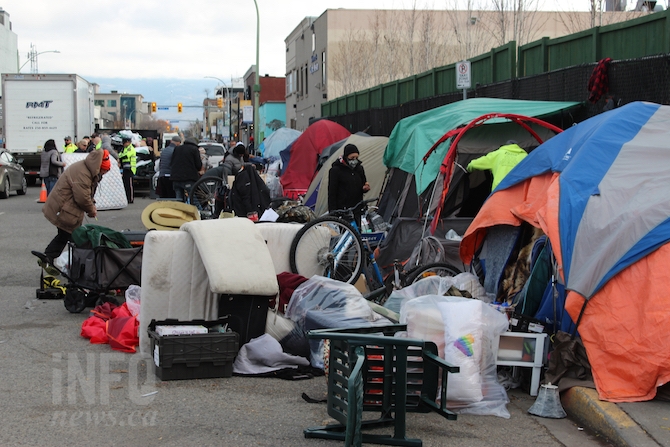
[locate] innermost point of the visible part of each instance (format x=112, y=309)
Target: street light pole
x=257, y=86
x=32, y=57
x=227, y=101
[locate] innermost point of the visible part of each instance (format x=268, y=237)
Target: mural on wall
x=275, y=124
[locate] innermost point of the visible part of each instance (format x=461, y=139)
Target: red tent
x=305, y=152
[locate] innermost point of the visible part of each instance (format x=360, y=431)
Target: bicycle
x=333, y=246
x=204, y=194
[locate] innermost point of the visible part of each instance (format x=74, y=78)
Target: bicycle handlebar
x=349, y=211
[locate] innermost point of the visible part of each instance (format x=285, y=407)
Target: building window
x=323, y=70
x=111, y=103
x=313, y=41
x=99, y=102
x=306, y=80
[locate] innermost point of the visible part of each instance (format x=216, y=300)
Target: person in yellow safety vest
x=500, y=162
x=69, y=146
x=128, y=161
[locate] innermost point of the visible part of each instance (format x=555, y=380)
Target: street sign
x=248, y=114
x=162, y=108
x=463, y=74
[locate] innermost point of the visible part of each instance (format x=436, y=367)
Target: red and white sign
x=463, y=74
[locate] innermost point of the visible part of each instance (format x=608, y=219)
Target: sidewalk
x=635, y=424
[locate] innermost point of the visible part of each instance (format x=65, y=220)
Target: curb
x=604, y=418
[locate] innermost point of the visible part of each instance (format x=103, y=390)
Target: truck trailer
x=40, y=107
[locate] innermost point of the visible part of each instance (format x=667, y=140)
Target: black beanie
x=239, y=149
x=350, y=149
x=49, y=145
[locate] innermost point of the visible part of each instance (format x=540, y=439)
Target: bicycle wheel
x=435, y=269
x=330, y=247
x=203, y=196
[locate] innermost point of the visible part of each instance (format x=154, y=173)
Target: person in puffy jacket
x=71, y=198
x=500, y=162
x=51, y=166
x=347, y=182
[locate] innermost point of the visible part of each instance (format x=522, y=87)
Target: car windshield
x=214, y=150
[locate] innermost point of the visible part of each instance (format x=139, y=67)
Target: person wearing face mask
x=347, y=182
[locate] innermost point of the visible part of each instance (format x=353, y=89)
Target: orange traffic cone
x=43, y=194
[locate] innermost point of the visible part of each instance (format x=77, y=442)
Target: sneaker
x=46, y=263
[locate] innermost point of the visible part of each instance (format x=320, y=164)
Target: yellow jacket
x=70, y=148
x=500, y=162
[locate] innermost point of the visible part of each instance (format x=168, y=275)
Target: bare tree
x=575, y=21
x=348, y=67
x=469, y=30
x=515, y=20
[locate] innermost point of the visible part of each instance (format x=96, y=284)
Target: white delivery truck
x=41, y=107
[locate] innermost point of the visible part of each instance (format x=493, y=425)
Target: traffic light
x=168, y=127
x=153, y=107
x=179, y=107
x=219, y=102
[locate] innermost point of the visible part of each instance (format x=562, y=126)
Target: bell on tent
x=548, y=403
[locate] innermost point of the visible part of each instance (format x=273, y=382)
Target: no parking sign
x=463, y=74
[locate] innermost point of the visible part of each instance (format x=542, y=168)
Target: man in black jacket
x=347, y=182
x=185, y=167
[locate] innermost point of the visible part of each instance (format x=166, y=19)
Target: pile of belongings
x=316, y=303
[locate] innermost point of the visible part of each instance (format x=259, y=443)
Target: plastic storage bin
x=197, y=356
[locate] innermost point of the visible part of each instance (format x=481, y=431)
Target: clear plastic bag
x=133, y=294
x=465, y=332
x=437, y=285
x=274, y=185
x=323, y=303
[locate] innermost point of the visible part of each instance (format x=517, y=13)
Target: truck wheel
x=5, y=190
x=24, y=187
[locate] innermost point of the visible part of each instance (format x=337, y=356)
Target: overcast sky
x=170, y=38
x=163, y=49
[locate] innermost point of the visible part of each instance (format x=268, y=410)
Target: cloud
x=164, y=39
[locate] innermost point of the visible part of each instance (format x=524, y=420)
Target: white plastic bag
x=133, y=294
x=465, y=331
x=62, y=262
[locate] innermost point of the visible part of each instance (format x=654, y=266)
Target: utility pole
x=257, y=85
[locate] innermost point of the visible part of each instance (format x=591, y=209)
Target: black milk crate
x=194, y=356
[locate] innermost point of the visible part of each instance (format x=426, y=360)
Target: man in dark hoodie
x=347, y=182
x=185, y=167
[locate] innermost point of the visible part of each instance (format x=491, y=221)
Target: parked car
x=215, y=153
x=12, y=175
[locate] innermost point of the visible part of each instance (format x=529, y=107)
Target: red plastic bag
x=95, y=329
x=122, y=333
